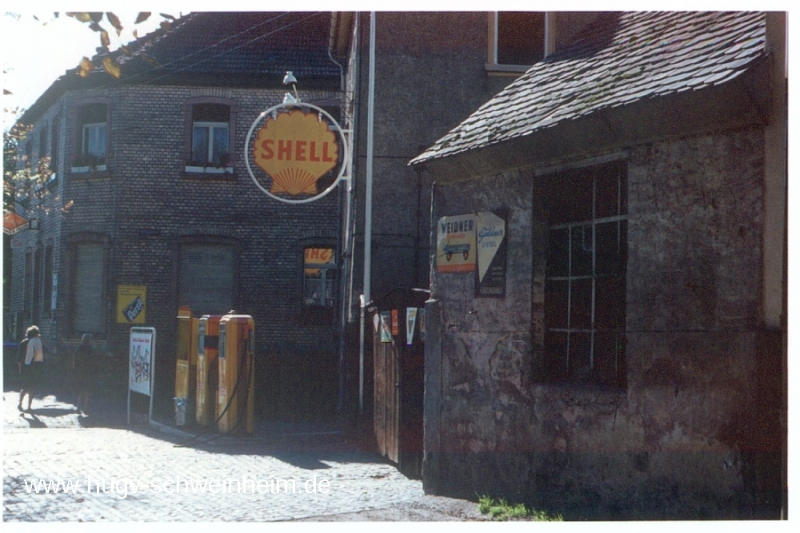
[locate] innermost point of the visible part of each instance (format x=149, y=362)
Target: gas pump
x=185, y=368
x=235, y=395
x=207, y=367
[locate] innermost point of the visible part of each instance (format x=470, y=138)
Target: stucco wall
x=680, y=440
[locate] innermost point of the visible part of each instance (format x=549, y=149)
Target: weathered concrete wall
x=681, y=440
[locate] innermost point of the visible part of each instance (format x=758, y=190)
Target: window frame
x=492, y=64
x=315, y=312
x=73, y=242
x=81, y=162
x=191, y=170
x=600, y=278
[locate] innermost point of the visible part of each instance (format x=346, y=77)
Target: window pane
x=581, y=250
x=609, y=312
x=608, y=358
x=220, y=146
x=580, y=368
x=520, y=38
x=555, y=304
x=200, y=145
x=558, y=253
x=610, y=248
x=580, y=316
x=569, y=197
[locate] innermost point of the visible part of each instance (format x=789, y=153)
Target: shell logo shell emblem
x=295, y=149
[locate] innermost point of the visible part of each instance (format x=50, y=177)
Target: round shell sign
x=296, y=151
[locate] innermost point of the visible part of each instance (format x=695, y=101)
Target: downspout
x=366, y=297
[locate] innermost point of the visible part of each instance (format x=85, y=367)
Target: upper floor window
x=517, y=40
x=210, y=140
x=93, y=136
x=43, y=142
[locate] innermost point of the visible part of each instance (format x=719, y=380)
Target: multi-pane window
x=210, y=135
x=87, y=294
x=47, y=296
x=319, y=276
x=585, y=275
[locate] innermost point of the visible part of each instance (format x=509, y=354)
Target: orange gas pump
x=207, y=367
x=185, y=369
x=235, y=395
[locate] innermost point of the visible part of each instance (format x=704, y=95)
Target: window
x=48, y=280
x=319, y=283
x=42, y=142
x=93, y=137
x=210, y=138
x=27, y=293
x=517, y=40
x=585, y=275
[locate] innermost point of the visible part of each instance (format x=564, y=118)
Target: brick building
x=617, y=348
x=148, y=195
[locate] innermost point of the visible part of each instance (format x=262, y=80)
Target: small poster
x=395, y=322
x=386, y=333
x=141, y=351
x=131, y=304
x=491, y=242
x=455, y=244
x=411, y=321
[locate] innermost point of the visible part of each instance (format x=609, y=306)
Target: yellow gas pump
x=207, y=367
x=185, y=369
x=235, y=395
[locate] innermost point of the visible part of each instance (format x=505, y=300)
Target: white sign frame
x=134, y=350
x=274, y=110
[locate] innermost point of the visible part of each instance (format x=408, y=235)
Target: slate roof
x=243, y=43
x=620, y=59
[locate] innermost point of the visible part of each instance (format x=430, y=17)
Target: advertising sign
x=455, y=244
x=296, y=152
x=142, y=344
x=131, y=304
x=491, y=242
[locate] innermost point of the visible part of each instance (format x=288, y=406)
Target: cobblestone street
x=143, y=474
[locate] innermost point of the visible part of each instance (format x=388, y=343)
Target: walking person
x=83, y=372
x=32, y=367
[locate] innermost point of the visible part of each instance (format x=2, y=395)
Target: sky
x=38, y=48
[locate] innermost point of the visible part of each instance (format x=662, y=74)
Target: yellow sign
x=455, y=244
x=296, y=149
x=131, y=304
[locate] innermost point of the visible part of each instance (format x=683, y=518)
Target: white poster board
x=141, y=364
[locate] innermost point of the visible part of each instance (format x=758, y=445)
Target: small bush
x=501, y=510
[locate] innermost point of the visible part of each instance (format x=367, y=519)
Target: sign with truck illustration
x=455, y=248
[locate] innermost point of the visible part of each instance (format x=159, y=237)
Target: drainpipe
x=366, y=297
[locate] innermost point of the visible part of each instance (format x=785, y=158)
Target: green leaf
x=144, y=15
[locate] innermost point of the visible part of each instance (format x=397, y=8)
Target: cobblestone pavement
x=142, y=474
